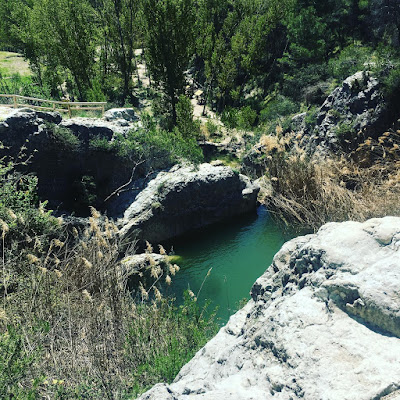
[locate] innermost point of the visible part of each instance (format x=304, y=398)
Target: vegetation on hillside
x=247, y=55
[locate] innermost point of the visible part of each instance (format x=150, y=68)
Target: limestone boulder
x=115, y=114
x=323, y=323
x=186, y=198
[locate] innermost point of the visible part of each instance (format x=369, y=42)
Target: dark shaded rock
x=353, y=111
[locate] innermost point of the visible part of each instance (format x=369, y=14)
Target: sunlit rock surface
x=186, y=198
x=323, y=323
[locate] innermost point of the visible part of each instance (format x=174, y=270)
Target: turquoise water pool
x=236, y=251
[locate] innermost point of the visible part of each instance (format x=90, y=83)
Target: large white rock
x=185, y=198
x=323, y=324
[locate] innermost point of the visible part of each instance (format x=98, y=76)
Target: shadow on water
x=238, y=251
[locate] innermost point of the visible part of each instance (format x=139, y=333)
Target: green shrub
x=22, y=216
x=85, y=193
x=351, y=59
x=298, y=79
x=344, y=130
x=158, y=145
x=24, y=86
x=187, y=127
x=212, y=128
x=176, y=332
x=311, y=117
x=391, y=83
x=65, y=138
x=278, y=107
x=244, y=118
x=247, y=118
x=100, y=143
x=229, y=117
x=15, y=363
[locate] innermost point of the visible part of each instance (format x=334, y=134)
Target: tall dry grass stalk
x=309, y=193
x=83, y=329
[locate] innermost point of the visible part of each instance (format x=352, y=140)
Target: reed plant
x=307, y=193
x=72, y=328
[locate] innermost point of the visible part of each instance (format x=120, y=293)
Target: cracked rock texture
x=323, y=323
x=358, y=104
x=187, y=198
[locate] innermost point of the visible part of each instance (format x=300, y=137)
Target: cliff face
x=68, y=169
x=323, y=323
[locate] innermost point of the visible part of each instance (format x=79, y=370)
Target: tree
x=64, y=35
x=169, y=40
x=119, y=31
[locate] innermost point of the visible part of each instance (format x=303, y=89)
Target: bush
x=351, y=59
x=185, y=125
x=244, y=118
x=15, y=362
x=24, y=86
x=212, y=128
x=64, y=138
x=158, y=145
x=98, y=339
x=311, y=117
x=247, y=118
x=229, y=117
x=22, y=217
x=278, y=107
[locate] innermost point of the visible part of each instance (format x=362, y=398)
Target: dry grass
x=308, y=193
x=13, y=63
x=83, y=334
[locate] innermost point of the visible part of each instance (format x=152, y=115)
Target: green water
x=238, y=251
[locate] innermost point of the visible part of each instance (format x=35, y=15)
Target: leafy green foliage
x=15, y=362
x=351, y=59
x=176, y=333
x=185, y=125
x=22, y=215
x=63, y=137
x=169, y=39
x=278, y=107
x=158, y=145
x=24, y=86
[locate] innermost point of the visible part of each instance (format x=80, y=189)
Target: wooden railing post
x=70, y=106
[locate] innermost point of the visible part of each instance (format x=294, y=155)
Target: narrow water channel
x=238, y=251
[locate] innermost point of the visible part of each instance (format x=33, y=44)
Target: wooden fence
x=60, y=106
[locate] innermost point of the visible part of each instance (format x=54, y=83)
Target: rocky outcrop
x=89, y=128
x=118, y=114
x=356, y=106
x=353, y=112
x=72, y=171
x=323, y=323
x=186, y=198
